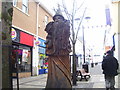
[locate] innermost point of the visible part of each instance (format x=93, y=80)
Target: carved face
x=58, y=19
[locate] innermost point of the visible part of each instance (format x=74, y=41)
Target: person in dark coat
x=110, y=66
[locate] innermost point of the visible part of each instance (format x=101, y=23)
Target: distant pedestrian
x=110, y=66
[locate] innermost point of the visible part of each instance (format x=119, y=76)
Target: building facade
x=116, y=29
x=28, y=36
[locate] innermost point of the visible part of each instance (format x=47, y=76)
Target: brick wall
x=25, y=21
x=42, y=14
x=28, y=21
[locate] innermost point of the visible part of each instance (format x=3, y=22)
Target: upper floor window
x=25, y=6
x=46, y=20
x=14, y=3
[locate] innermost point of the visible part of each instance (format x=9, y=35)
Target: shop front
x=21, y=53
x=43, y=63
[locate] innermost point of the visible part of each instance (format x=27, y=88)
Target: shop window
x=41, y=50
x=43, y=62
x=46, y=20
x=21, y=57
x=26, y=61
x=16, y=59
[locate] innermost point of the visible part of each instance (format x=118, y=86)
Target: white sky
x=96, y=10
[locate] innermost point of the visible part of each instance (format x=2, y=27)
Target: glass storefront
x=42, y=58
x=21, y=52
x=43, y=62
x=22, y=57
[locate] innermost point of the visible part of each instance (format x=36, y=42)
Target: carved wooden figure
x=58, y=48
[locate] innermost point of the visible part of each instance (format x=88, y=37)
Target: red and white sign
x=13, y=34
x=26, y=39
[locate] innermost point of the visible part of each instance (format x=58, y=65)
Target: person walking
x=109, y=67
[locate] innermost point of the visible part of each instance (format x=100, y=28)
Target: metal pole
x=17, y=68
x=83, y=45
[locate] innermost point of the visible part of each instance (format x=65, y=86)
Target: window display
x=23, y=60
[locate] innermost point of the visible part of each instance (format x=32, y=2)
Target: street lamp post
x=83, y=44
x=85, y=66
x=87, y=18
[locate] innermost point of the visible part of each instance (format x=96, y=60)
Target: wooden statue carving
x=58, y=48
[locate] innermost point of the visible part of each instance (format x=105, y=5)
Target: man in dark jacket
x=110, y=66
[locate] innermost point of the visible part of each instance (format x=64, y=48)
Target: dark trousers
x=110, y=82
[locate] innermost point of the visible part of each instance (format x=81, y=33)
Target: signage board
x=15, y=35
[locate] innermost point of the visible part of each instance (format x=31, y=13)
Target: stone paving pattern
x=96, y=80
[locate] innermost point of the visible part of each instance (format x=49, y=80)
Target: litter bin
x=92, y=64
x=85, y=66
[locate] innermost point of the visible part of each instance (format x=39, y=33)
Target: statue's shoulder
x=50, y=23
x=49, y=26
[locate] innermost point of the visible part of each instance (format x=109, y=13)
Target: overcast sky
x=96, y=10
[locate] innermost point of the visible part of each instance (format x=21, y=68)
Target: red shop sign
x=26, y=39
